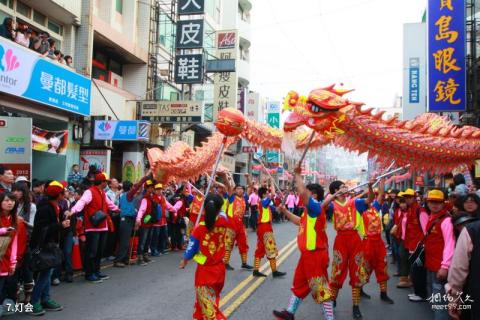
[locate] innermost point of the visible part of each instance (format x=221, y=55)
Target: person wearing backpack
x=146, y=216
x=128, y=214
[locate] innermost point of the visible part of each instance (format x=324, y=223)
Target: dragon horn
x=339, y=92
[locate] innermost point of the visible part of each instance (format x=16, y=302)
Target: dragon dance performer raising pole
x=311, y=274
x=373, y=245
x=237, y=206
x=207, y=248
x=347, y=249
x=266, y=245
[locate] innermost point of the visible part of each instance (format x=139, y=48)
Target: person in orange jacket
x=207, y=247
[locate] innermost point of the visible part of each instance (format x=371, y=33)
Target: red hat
x=101, y=177
x=54, y=189
x=64, y=184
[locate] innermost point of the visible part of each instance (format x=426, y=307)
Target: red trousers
x=311, y=276
x=236, y=233
x=266, y=245
x=375, y=258
x=209, y=281
x=348, y=257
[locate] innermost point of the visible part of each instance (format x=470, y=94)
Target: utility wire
x=105, y=99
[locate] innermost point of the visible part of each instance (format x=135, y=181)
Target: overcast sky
x=305, y=44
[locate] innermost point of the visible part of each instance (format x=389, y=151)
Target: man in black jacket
x=46, y=230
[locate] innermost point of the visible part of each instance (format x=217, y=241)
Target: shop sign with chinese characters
x=273, y=120
x=446, y=56
x=191, y=7
x=189, y=34
x=172, y=111
x=26, y=74
x=189, y=68
x=226, y=83
x=122, y=130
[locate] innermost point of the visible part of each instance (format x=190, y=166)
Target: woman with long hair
x=26, y=210
x=207, y=248
x=13, y=237
x=25, y=207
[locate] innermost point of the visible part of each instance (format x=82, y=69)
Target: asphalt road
x=161, y=291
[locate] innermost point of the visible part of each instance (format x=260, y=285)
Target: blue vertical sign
x=414, y=80
x=446, y=56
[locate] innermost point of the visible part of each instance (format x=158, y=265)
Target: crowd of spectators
x=41, y=42
x=444, y=222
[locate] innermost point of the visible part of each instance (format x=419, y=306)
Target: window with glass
x=209, y=40
x=119, y=6
x=8, y=3
x=55, y=27
x=23, y=9
x=166, y=35
x=39, y=18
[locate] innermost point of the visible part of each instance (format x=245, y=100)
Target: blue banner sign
x=446, y=56
x=121, y=130
x=414, y=80
x=24, y=73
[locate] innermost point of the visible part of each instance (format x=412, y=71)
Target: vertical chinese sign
x=226, y=83
x=273, y=120
x=189, y=36
x=446, y=56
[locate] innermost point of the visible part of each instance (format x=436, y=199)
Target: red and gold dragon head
x=321, y=111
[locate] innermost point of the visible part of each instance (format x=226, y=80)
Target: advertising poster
x=55, y=142
x=99, y=158
x=16, y=145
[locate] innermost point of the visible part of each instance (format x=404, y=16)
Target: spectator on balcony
x=42, y=46
x=52, y=49
x=24, y=35
x=37, y=45
x=69, y=61
x=7, y=29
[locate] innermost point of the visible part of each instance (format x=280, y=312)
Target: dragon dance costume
x=207, y=248
x=236, y=231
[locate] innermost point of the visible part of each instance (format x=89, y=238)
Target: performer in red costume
x=207, y=248
x=196, y=199
x=236, y=232
x=373, y=245
x=266, y=245
x=311, y=274
x=347, y=249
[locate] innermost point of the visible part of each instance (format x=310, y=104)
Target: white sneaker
x=411, y=295
x=415, y=298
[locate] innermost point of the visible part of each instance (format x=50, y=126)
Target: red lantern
x=230, y=122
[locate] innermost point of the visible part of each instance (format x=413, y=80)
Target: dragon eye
x=314, y=108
